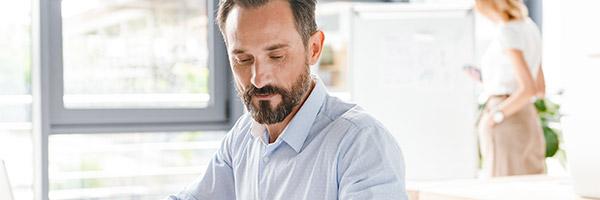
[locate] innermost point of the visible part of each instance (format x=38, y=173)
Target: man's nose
x=261, y=74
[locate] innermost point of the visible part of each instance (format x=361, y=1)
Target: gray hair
x=303, y=10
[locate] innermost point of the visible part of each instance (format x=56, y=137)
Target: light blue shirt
x=329, y=150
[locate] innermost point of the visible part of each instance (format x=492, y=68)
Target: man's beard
x=263, y=113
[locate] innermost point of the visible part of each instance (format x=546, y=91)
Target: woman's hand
x=473, y=72
x=488, y=120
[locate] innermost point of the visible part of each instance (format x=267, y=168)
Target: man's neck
x=276, y=129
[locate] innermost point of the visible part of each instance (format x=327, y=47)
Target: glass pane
x=16, y=144
x=16, y=149
x=127, y=165
x=135, y=53
x=333, y=19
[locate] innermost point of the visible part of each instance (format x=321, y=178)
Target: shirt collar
x=296, y=132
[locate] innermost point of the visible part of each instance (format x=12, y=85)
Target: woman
x=511, y=137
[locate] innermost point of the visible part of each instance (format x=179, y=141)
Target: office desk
x=505, y=188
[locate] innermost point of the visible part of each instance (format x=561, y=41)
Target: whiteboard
x=406, y=70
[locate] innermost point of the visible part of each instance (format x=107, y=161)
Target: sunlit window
x=15, y=95
x=127, y=165
x=135, y=54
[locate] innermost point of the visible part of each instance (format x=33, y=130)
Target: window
x=135, y=54
x=127, y=165
x=135, y=62
x=134, y=96
x=15, y=95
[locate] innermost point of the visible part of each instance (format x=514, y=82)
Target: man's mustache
x=266, y=90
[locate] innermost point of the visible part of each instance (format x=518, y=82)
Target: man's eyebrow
x=269, y=48
x=238, y=51
x=276, y=46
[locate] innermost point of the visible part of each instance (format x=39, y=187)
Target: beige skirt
x=514, y=147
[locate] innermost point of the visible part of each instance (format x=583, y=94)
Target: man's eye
x=244, y=61
x=276, y=57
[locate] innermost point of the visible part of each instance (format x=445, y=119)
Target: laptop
x=5, y=190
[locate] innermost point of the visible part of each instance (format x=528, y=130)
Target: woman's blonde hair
x=507, y=9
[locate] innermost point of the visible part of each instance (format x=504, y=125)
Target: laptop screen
x=5, y=190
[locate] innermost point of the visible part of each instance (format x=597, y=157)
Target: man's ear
x=315, y=47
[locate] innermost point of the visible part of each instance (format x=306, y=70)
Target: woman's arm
x=540, y=83
x=527, y=86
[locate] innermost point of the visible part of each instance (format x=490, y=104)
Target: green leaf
x=540, y=105
x=552, y=144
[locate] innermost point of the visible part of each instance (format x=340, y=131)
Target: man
x=296, y=141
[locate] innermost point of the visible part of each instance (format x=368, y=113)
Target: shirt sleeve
x=511, y=38
x=371, y=166
x=217, y=182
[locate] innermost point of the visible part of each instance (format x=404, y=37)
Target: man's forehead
x=271, y=13
x=260, y=27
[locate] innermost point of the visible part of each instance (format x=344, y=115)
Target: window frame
x=69, y=120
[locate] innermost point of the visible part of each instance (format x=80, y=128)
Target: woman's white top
x=497, y=71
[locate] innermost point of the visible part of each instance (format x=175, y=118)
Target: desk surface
x=516, y=187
